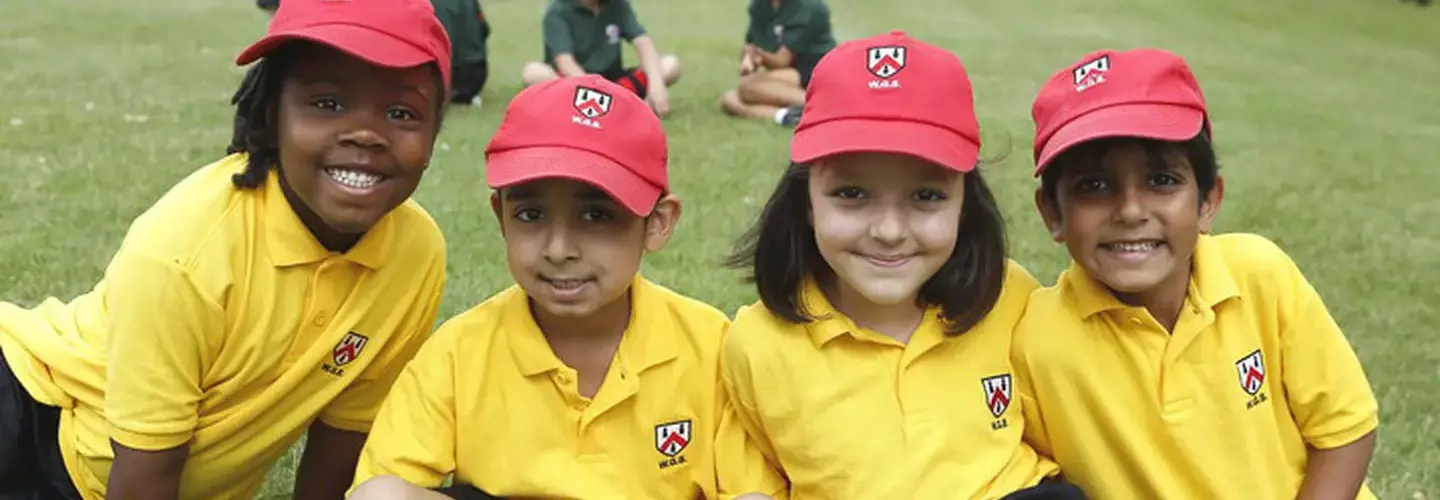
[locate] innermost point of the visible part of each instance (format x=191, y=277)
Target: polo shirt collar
x=1210, y=283
x=290, y=243
x=649, y=339
x=829, y=323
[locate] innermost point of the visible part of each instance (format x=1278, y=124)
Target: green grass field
x=1327, y=118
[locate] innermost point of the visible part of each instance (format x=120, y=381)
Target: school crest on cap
x=591, y=103
x=1252, y=372
x=672, y=438
x=885, y=62
x=348, y=349
x=997, y=393
x=1091, y=73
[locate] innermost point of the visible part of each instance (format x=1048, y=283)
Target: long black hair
x=779, y=251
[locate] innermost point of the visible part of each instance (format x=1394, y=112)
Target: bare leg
x=393, y=488
x=536, y=72
x=776, y=87
x=731, y=104
x=670, y=66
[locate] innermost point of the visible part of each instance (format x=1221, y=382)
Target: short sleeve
x=744, y=457
x=414, y=434
x=630, y=27
x=356, y=407
x=1328, y=391
x=1036, y=435
x=814, y=25
x=159, y=341
x=556, y=33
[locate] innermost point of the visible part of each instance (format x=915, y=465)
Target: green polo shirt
x=593, y=39
x=803, y=26
x=467, y=28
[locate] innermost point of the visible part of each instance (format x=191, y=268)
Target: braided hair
x=255, y=109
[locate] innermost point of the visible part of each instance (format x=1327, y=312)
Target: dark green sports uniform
x=465, y=23
x=593, y=39
x=803, y=26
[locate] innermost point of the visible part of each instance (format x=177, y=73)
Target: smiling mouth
x=1132, y=249
x=565, y=285
x=887, y=260
x=354, y=178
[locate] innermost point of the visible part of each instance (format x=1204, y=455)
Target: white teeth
x=566, y=284
x=1143, y=246
x=352, y=178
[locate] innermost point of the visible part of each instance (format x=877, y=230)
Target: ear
x=495, y=208
x=1210, y=206
x=661, y=223
x=1050, y=215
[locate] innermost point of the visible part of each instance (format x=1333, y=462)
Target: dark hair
x=1199, y=150
x=256, y=105
x=779, y=251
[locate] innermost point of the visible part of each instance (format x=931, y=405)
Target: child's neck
x=897, y=321
x=329, y=238
x=586, y=344
x=1164, y=302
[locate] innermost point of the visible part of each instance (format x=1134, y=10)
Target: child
x=584, y=380
x=876, y=364
x=465, y=23
x=274, y=293
x=784, y=41
x=1168, y=363
x=583, y=37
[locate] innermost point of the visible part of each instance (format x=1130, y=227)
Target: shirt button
x=321, y=319
x=561, y=378
x=1136, y=321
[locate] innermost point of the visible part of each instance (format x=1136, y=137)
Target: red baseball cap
x=584, y=128
x=889, y=93
x=386, y=33
x=1147, y=93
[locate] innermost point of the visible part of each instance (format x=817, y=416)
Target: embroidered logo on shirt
x=612, y=32
x=1251, y=369
x=671, y=439
x=344, y=352
x=997, y=398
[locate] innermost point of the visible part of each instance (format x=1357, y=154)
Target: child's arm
x=328, y=463
x=1327, y=390
x=161, y=329
x=657, y=93
x=1337, y=473
x=746, y=467
x=557, y=38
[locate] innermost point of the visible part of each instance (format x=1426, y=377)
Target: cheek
x=835, y=229
x=937, y=231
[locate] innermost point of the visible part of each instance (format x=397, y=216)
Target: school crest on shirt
x=998, y=391
x=344, y=352
x=1091, y=73
x=885, y=62
x=612, y=33
x=671, y=439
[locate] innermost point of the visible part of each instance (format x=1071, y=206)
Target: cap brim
x=508, y=168
x=372, y=46
x=1166, y=122
x=936, y=144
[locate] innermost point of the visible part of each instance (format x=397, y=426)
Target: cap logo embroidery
x=1091, y=73
x=885, y=63
x=592, y=105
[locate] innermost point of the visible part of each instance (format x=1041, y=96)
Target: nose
x=1132, y=207
x=889, y=226
x=560, y=244
x=364, y=132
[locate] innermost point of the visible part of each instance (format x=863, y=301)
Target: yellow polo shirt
x=1222, y=407
x=840, y=411
x=488, y=401
x=222, y=322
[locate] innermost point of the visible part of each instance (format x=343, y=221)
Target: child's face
x=354, y=138
x=885, y=223
x=1129, y=223
x=574, y=249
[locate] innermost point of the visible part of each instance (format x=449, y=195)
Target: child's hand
x=659, y=98
x=747, y=65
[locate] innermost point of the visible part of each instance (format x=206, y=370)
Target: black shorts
x=465, y=492
x=468, y=81
x=634, y=79
x=805, y=65
x=1050, y=488
x=31, y=467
